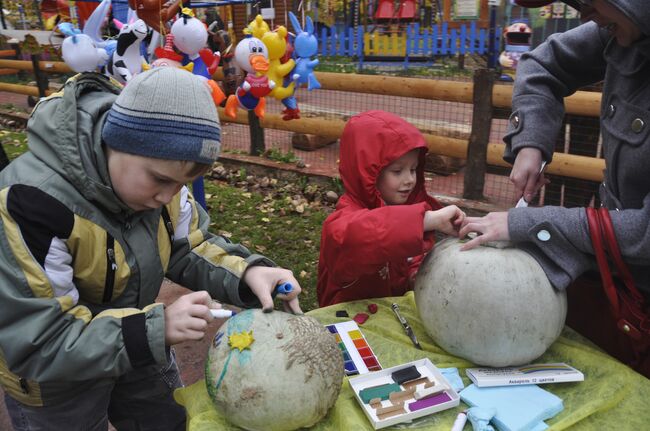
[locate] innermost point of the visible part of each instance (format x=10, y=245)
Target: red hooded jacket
x=370, y=249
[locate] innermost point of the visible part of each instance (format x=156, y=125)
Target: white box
x=267, y=12
x=426, y=369
x=533, y=374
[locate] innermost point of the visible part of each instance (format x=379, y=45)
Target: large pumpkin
x=492, y=306
x=273, y=371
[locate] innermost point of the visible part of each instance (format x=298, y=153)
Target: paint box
x=403, y=406
x=358, y=357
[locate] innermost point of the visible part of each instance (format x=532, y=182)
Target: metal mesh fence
x=449, y=119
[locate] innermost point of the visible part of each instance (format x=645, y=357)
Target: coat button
x=626, y=328
x=611, y=110
x=637, y=125
x=543, y=235
x=514, y=120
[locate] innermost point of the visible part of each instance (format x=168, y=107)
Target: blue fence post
x=444, y=37
x=360, y=32
x=407, y=48
x=350, y=48
x=472, y=38
x=481, y=41
x=492, y=54
x=434, y=40
x=463, y=38
x=453, y=41
x=323, y=42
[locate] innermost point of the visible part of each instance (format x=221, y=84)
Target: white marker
x=221, y=313
x=460, y=421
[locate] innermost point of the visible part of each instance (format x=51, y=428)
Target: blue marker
x=283, y=288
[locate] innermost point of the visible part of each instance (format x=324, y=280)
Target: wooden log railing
x=566, y=165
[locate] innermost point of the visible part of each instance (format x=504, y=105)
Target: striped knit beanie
x=165, y=113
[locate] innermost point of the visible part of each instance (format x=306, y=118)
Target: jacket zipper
x=111, y=266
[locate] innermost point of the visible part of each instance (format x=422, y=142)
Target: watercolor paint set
x=358, y=356
x=403, y=393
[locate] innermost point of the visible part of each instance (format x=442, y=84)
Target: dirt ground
x=190, y=355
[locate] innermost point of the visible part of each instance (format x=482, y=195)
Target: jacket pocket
x=627, y=122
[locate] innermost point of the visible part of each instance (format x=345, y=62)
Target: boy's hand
x=187, y=318
x=446, y=220
x=262, y=280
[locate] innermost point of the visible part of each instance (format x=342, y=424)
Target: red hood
x=371, y=141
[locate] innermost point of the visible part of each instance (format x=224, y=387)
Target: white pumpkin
x=273, y=371
x=492, y=306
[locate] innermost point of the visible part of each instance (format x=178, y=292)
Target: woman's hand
x=492, y=227
x=526, y=175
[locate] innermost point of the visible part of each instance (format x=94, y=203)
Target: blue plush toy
x=305, y=46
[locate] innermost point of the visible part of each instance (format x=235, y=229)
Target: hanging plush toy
x=79, y=51
x=517, y=37
x=167, y=57
x=276, y=44
x=252, y=56
x=86, y=51
x=257, y=28
x=305, y=46
x=191, y=37
x=155, y=13
x=126, y=61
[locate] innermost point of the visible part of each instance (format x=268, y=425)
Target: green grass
x=271, y=225
x=14, y=143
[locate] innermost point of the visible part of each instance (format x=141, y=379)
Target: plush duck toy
x=252, y=56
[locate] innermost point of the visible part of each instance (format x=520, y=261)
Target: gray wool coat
x=559, y=237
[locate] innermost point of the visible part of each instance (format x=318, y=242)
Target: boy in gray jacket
x=613, y=44
x=94, y=216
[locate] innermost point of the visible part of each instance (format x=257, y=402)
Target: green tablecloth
x=612, y=397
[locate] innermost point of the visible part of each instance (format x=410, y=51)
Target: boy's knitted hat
x=165, y=113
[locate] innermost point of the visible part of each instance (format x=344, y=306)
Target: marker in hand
x=283, y=288
x=221, y=313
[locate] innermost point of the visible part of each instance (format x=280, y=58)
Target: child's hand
x=187, y=318
x=262, y=280
x=446, y=220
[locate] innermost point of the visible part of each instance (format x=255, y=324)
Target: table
x=612, y=396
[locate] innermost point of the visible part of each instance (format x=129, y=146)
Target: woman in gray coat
x=612, y=45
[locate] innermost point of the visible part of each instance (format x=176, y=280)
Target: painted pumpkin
x=273, y=371
x=492, y=305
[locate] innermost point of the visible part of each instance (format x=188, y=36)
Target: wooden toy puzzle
x=358, y=357
x=403, y=393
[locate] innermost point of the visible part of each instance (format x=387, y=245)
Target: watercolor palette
x=358, y=357
x=386, y=402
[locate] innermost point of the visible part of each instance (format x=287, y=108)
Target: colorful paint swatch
x=358, y=357
x=429, y=402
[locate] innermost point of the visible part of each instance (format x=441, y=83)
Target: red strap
x=596, y=234
x=614, y=252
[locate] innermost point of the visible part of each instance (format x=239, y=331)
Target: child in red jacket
x=374, y=242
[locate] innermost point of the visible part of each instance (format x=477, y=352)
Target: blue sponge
x=519, y=408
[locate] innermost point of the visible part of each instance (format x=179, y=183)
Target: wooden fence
x=477, y=147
